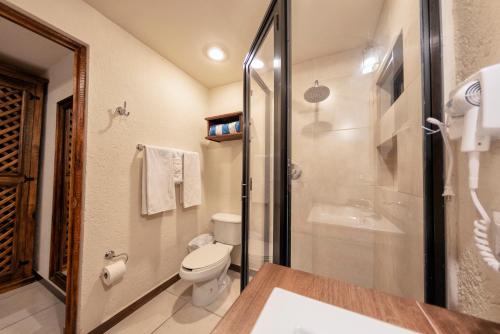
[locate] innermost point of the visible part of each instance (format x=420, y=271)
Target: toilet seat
x=207, y=256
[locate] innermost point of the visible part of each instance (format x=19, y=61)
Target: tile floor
x=172, y=312
x=34, y=309
x=30, y=309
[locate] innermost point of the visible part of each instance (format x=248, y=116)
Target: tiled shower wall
x=337, y=145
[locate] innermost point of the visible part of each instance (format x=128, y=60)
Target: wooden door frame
x=56, y=261
x=79, y=101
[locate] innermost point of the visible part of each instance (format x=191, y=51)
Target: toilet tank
x=227, y=228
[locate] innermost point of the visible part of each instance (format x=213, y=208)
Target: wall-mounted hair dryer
x=473, y=114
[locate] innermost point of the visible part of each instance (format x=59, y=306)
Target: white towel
x=178, y=177
x=158, y=186
x=191, y=187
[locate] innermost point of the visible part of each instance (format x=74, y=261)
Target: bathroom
x=299, y=124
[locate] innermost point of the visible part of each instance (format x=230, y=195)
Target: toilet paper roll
x=113, y=272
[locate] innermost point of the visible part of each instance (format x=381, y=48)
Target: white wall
x=223, y=161
x=167, y=108
x=60, y=76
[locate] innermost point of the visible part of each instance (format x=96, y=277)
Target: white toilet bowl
x=207, y=265
x=207, y=268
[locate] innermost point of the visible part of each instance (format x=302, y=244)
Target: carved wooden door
x=20, y=112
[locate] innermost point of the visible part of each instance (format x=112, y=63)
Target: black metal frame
x=434, y=205
x=277, y=18
x=434, y=215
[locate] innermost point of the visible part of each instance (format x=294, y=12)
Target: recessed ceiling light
x=257, y=64
x=216, y=53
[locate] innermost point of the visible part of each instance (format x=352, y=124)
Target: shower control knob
x=295, y=172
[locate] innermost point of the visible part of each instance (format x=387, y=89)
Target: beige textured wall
x=472, y=35
x=60, y=86
x=223, y=161
x=167, y=108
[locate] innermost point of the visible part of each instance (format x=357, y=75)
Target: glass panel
x=261, y=158
x=357, y=181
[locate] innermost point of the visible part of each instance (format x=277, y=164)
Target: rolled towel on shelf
x=224, y=129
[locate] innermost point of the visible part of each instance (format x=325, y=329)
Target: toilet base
x=205, y=293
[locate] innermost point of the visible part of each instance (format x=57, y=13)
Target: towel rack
x=140, y=147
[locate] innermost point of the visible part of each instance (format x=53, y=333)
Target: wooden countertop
x=406, y=313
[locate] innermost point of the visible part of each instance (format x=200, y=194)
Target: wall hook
x=122, y=111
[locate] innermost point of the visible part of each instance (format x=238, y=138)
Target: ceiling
x=23, y=48
x=324, y=27
x=181, y=30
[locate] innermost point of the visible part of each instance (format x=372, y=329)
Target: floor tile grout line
x=180, y=308
x=30, y=316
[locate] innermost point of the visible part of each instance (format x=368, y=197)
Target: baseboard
x=108, y=324
x=49, y=286
x=19, y=283
x=234, y=267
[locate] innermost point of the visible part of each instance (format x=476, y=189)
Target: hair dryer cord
x=481, y=227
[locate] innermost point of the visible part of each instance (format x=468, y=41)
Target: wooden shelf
x=224, y=119
x=234, y=136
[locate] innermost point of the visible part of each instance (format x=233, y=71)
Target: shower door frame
x=277, y=19
x=435, y=289
x=433, y=166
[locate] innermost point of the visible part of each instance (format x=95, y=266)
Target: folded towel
x=158, y=187
x=224, y=129
x=177, y=161
x=191, y=187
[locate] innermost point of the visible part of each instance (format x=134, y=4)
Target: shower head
x=317, y=93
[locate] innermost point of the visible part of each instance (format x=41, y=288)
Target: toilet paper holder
x=110, y=255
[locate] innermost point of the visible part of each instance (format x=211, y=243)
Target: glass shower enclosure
x=334, y=151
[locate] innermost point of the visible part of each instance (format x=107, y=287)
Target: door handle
x=28, y=178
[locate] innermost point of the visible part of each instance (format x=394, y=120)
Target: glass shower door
x=260, y=235
x=357, y=177
x=263, y=160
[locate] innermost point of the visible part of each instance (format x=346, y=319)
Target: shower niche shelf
x=221, y=120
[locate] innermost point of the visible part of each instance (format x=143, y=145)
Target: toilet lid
x=205, y=256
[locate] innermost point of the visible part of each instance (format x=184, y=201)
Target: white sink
x=286, y=312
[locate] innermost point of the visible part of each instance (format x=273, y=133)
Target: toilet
x=208, y=261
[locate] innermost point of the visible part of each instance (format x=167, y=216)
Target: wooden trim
x=79, y=101
x=235, y=267
x=108, y=324
x=37, y=27
x=228, y=115
x=59, y=216
x=18, y=283
x=221, y=138
x=72, y=280
x=55, y=291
